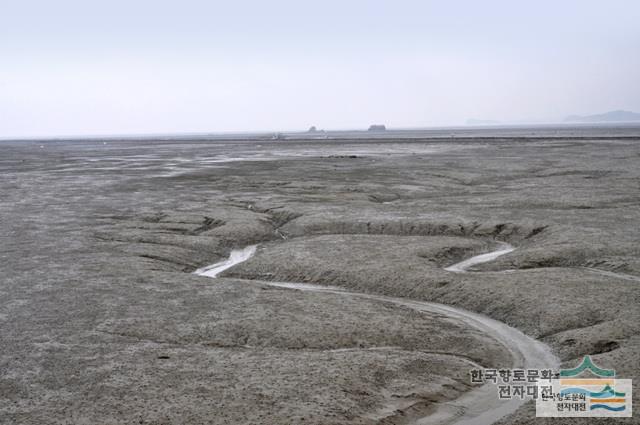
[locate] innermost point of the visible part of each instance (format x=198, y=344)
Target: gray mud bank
x=103, y=320
x=478, y=406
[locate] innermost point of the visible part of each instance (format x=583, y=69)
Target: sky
x=73, y=68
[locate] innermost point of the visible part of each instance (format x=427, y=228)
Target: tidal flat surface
x=104, y=321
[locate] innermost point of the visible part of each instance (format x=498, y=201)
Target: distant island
x=473, y=121
x=314, y=129
x=612, y=116
x=377, y=127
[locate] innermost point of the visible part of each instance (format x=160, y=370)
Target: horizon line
x=111, y=136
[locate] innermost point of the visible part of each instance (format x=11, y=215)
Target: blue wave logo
x=607, y=399
x=607, y=407
x=605, y=393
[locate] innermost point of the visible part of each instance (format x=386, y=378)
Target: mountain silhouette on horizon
x=611, y=116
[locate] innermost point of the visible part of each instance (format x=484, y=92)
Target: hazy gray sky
x=121, y=67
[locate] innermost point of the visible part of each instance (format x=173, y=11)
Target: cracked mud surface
x=102, y=321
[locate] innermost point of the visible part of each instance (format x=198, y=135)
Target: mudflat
x=104, y=321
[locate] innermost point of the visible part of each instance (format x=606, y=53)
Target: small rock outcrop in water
x=312, y=129
x=377, y=127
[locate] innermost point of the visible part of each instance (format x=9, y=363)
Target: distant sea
x=484, y=131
